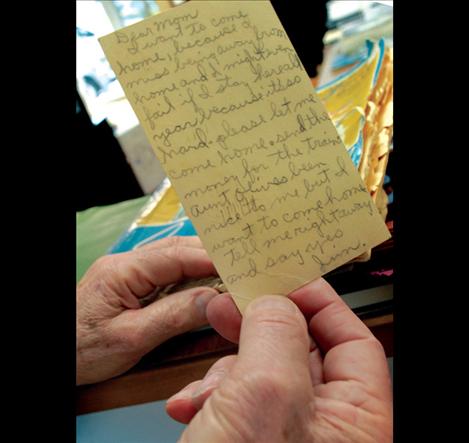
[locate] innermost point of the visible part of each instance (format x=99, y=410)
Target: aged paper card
x=247, y=144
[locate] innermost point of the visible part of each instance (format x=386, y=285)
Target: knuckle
x=224, y=361
x=222, y=365
x=159, y=244
x=377, y=345
x=108, y=279
x=106, y=266
x=102, y=262
x=102, y=278
x=176, y=252
x=287, y=322
x=174, y=241
x=174, y=318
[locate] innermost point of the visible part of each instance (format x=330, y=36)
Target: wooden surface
x=184, y=361
x=141, y=387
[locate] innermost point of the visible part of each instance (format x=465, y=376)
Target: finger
x=190, y=241
x=172, y=315
x=274, y=342
x=224, y=317
x=214, y=377
x=312, y=297
x=142, y=270
x=180, y=407
x=315, y=363
x=351, y=350
x=187, y=402
x=331, y=321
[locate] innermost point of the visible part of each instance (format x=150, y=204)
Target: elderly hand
x=113, y=330
x=285, y=385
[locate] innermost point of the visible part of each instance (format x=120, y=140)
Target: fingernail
x=273, y=302
x=201, y=301
x=183, y=394
x=211, y=381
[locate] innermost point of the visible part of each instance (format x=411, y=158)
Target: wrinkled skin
x=113, y=331
x=308, y=370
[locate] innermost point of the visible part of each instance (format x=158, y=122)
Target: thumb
x=274, y=340
x=269, y=387
x=170, y=316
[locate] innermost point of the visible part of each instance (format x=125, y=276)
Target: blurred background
x=118, y=160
